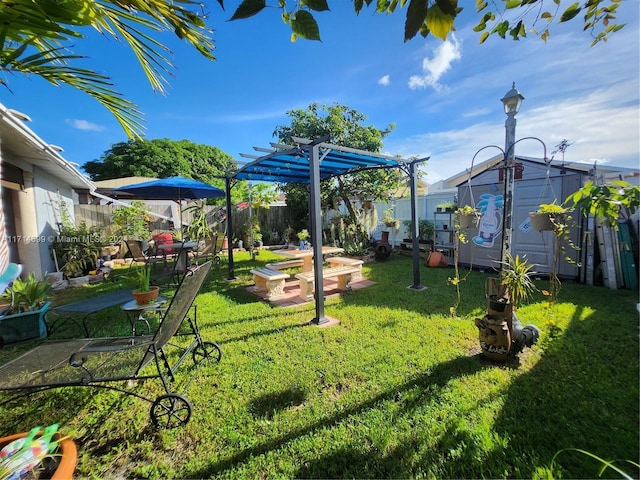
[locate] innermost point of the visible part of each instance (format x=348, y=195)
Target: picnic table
x=307, y=255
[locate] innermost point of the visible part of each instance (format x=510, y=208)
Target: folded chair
x=208, y=249
x=139, y=256
x=113, y=361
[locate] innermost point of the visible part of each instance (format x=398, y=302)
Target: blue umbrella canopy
x=172, y=188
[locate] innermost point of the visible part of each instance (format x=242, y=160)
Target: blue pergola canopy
x=290, y=164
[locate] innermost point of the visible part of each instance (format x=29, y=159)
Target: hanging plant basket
x=467, y=220
x=541, y=221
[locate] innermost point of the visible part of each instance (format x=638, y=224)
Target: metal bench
x=352, y=262
x=270, y=281
x=86, y=308
x=343, y=273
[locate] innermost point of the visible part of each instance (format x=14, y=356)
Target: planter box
x=24, y=326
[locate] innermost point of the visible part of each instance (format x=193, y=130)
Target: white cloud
x=85, y=125
x=434, y=68
x=384, y=81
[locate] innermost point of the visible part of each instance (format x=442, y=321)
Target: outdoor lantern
x=512, y=101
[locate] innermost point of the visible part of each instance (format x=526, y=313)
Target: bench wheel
x=206, y=350
x=170, y=411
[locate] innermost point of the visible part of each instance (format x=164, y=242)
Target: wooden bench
x=270, y=281
x=343, y=272
x=285, y=264
x=352, y=262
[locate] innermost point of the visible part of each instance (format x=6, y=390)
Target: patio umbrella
x=172, y=188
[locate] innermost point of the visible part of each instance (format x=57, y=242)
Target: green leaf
x=512, y=4
x=570, y=12
x=501, y=28
x=480, y=27
x=304, y=25
x=483, y=37
x=248, y=8
x=439, y=23
x=416, y=14
x=317, y=5
x=481, y=5
x=449, y=7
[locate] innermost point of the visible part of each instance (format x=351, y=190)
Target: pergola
x=309, y=162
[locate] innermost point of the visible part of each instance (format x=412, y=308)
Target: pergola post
x=315, y=219
x=415, y=244
x=231, y=274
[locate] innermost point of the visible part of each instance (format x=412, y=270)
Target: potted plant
x=466, y=217
x=515, y=284
x=26, y=318
x=389, y=221
x=446, y=207
x=55, y=456
x=145, y=293
x=303, y=236
x=78, y=249
x=550, y=216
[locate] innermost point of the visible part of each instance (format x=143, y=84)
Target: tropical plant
x=516, y=277
x=389, y=221
x=605, y=201
x=78, y=249
x=438, y=17
x=144, y=279
x=199, y=227
x=303, y=235
x=132, y=221
x=426, y=229
x=466, y=210
x=28, y=294
x=39, y=38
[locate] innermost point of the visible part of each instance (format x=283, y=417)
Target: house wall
x=49, y=192
x=534, y=188
x=31, y=220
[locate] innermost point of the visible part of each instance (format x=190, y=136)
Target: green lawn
x=397, y=390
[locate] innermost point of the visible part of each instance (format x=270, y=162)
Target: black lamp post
x=512, y=102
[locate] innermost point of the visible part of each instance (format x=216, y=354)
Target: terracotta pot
x=437, y=259
x=67, y=455
x=143, y=298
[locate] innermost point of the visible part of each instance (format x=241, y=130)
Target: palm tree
x=36, y=39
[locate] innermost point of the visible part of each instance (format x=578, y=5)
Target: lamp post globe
x=512, y=102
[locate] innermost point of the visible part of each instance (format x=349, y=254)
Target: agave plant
x=516, y=278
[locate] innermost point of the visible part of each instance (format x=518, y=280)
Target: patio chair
x=108, y=362
x=207, y=248
x=139, y=256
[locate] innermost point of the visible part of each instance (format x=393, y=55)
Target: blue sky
x=444, y=98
